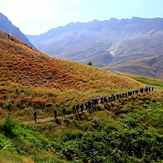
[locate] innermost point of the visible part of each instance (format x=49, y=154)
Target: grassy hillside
x=26, y=66
x=137, y=67
x=30, y=78
x=127, y=129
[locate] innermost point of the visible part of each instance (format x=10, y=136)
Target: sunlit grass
x=149, y=81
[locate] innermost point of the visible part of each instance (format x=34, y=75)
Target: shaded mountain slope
x=7, y=26
x=24, y=65
x=112, y=44
x=142, y=56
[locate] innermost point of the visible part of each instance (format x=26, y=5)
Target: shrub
x=89, y=63
x=73, y=134
x=7, y=127
x=109, y=127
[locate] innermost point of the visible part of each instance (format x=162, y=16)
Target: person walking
x=81, y=107
x=55, y=114
x=35, y=116
x=64, y=112
x=74, y=109
x=8, y=115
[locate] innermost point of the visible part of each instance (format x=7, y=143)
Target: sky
x=35, y=17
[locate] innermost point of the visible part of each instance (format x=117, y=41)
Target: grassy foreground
x=125, y=130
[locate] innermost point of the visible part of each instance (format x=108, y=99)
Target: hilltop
x=125, y=46
x=26, y=66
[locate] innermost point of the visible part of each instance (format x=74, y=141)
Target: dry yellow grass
x=26, y=66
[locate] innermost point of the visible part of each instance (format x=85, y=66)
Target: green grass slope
x=125, y=130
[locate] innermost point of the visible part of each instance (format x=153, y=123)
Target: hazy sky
x=39, y=16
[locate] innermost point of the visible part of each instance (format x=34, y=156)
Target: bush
x=109, y=128
x=7, y=127
x=89, y=63
x=73, y=134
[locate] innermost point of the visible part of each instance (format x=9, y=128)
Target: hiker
x=96, y=99
x=64, y=112
x=110, y=98
x=86, y=105
x=130, y=93
x=35, y=116
x=118, y=96
x=136, y=91
x=125, y=94
x=89, y=105
x=74, y=109
x=113, y=96
x=105, y=99
x=149, y=89
x=93, y=102
x=81, y=107
x=8, y=115
x=102, y=100
x=77, y=107
x=55, y=114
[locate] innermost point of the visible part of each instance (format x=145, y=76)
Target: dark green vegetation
x=126, y=130
x=89, y=63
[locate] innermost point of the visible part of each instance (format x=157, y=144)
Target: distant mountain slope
x=142, y=56
x=7, y=26
x=23, y=65
x=112, y=44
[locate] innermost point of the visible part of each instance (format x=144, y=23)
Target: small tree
x=90, y=63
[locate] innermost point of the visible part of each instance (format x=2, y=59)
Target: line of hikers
x=92, y=102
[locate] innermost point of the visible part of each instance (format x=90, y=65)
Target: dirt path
x=59, y=120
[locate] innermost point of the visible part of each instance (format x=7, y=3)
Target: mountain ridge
x=111, y=24
x=7, y=26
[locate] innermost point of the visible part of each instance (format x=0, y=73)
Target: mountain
x=7, y=26
x=26, y=66
x=124, y=46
